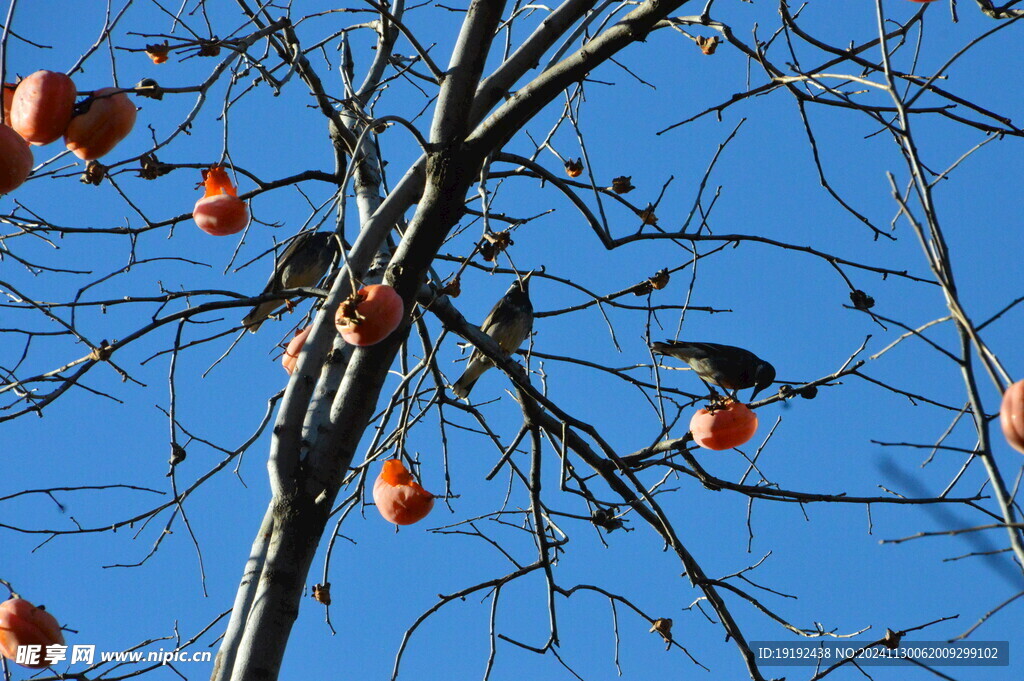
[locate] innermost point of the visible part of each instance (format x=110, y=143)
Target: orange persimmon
x=398, y=497
x=107, y=121
x=370, y=315
x=291, y=355
x=1011, y=416
x=220, y=212
x=8, y=98
x=23, y=624
x=42, y=106
x=15, y=159
x=723, y=427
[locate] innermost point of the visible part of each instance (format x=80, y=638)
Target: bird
x=509, y=323
x=306, y=260
x=726, y=366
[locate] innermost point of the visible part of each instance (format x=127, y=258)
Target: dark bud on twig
x=861, y=300
x=147, y=87
x=606, y=520
x=209, y=48
x=809, y=392
x=786, y=391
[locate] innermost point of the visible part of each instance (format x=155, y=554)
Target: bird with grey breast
x=726, y=366
x=509, y=322
x=304, y=263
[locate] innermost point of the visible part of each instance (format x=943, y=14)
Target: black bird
x=726, y=366
x=303, y=264
x=508, y=323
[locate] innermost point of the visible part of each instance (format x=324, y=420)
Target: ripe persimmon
x=369, y=316
x=398, y=497
x=291, y=355
x=15, y=159
x=23, y=624
x=1011, y=416
x=42, y=106
x=220, y=212
x=723, y=427
x=107, y=121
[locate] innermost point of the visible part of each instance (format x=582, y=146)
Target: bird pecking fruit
x=398, y=497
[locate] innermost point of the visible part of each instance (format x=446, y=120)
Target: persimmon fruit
x=8, y=98
x=15, y=159
x=1011, y=416
x=220, y=212
x=723, y=427
x=370, y=316
x=23, y=624
x=42, y=106
x=291, y=354
x=107, y=121
x=398, y=497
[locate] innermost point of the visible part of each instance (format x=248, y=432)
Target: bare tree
x=433, y=209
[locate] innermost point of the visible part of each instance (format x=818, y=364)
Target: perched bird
x=508, y=323
x=303, y=264
x=722, y=365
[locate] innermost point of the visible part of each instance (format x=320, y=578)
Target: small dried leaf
x=494, y=244
x=659, y=280
x=453, y=288
x=623, y=184
x=152, y=168
x=892, y=639
x=94, y=173
x=648, y=216
x=158, y=52
x=574, y=168
x=209, y=48
x=663, y=626
x=708, y=45
x=322, y=593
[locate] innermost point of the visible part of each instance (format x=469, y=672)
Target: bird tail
x=259, y=314
x=469, y=377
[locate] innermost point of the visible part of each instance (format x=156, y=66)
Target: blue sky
x=788, y=307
